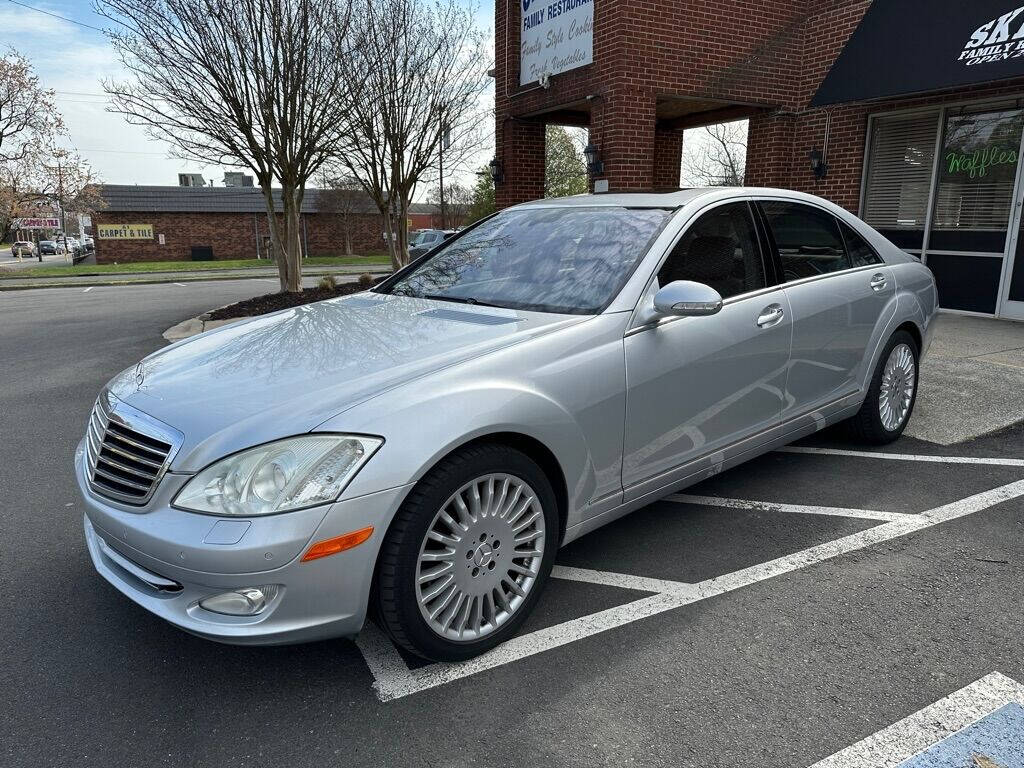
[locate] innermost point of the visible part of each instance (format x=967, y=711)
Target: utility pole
x=445, y=143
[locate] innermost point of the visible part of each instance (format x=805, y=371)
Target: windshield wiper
x=461, y=300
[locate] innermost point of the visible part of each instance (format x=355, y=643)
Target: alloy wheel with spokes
x=899, y=378
x=480, y=557
x=467, y=555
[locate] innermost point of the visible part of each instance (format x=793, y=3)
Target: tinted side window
x=808, y=239
x=720, y=249
x=861, y=254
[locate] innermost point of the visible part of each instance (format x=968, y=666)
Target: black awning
x=915, y=46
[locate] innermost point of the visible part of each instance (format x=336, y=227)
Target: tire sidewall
x=900, y=337
x=421, y=507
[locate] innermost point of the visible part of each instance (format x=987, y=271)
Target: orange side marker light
x=337, y=544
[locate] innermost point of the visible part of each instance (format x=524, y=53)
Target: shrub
x=328, y=283
x=366, y=280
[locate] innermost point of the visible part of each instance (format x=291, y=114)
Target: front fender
x=565, y=391
x=421, y=431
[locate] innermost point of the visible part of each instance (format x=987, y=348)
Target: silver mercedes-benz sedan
x=421, y=450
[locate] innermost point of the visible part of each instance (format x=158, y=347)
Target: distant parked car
x=89, y=244
x=50, y=247
x=23, y=248
x=72, y=246
x=426, y=239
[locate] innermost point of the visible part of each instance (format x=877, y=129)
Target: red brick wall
x=232, y=235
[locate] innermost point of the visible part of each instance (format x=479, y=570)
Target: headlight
x=277, y=477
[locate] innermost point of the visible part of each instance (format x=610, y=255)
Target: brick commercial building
x=187, y=223
x=908, y=112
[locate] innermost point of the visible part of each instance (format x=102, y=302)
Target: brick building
x=183, y=223
x=915, y=107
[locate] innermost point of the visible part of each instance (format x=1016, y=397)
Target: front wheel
x=891, y=394
x=468, y=553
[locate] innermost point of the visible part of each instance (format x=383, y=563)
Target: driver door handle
x=770, y=316
x=878, y=282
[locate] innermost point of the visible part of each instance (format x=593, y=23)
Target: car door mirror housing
x=685, y=298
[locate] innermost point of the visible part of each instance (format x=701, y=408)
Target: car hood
x=286, y=373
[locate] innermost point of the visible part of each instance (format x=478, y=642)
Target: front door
x=697, y=384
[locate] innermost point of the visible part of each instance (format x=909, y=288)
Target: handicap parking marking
x=985, y=461
x=979, y=726
x=393, y=679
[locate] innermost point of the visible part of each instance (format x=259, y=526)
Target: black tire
x=867, y=426
x=396, y=601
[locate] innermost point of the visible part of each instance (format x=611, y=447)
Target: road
x=772, y=616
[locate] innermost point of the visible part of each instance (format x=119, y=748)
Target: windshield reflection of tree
x=323, y=339
x=557, y=260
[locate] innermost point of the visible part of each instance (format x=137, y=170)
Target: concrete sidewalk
x=972, y=380
x=139, y=278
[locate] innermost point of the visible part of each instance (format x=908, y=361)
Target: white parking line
x=88, y=289
x=903, y=456
x=797, y=509
x=622, y=580
x=394, y=679
x=182, y=285
x=921, y=730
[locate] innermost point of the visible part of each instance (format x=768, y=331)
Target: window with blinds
x=978, y=170
x=899, y=173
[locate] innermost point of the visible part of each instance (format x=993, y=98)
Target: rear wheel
x=891, y=394
x=468, y=553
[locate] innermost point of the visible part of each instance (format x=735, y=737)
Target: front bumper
x=164, y=560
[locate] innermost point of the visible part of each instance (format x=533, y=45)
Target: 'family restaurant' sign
x=556, y=36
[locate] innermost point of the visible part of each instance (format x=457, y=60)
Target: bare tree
x=424, y=69
x=251, y=83
x=457, y=202
x=35, y=174
x=717, y=157
x=342, y=197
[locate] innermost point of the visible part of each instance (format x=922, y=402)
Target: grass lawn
x=370, y=260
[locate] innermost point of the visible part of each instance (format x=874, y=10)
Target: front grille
x=124, y=463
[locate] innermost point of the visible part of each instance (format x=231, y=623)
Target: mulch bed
x=272, y=302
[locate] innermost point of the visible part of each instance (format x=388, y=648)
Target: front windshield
x=570, y=260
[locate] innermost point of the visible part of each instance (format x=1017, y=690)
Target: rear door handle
x=770, y=316
x=878, y=282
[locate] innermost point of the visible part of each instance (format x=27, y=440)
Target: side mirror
x=685, y=298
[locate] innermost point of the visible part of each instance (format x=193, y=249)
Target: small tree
x=717, y=157
x=483, y=203
x=253, y=83
x=457, y=202
x=565, y=170
x=342, y=197
x=424, y=70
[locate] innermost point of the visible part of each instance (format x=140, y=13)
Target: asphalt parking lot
x=819, y=600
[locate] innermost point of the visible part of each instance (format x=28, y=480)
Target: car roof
x=673, y=199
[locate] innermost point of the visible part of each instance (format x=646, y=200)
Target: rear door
x=695, y=385
x=841, y=295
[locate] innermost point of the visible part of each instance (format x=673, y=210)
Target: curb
x=196, y=325
x=201, y=323
x=170, y=278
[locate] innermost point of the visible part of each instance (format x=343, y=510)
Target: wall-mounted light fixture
x=497, y=176
x=818, y=165
x=593, y=157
